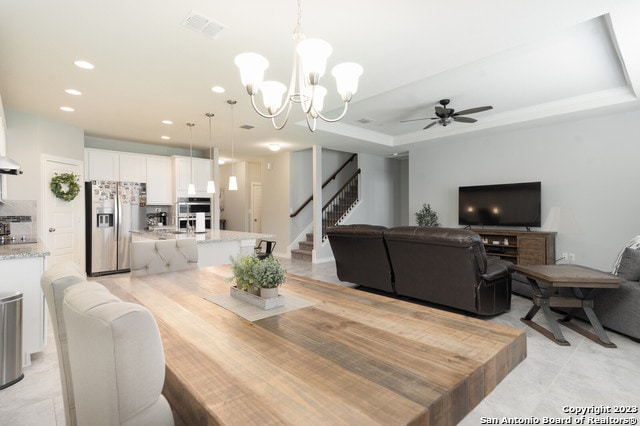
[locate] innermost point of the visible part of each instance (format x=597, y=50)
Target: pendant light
x=233, y=182
x=211, y=186
x=191, y=189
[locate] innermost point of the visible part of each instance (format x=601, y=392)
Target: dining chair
x=116, y=360
x=53, y=283
x=160, y=256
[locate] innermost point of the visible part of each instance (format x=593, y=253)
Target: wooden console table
x=582, y=281
x=520, y=247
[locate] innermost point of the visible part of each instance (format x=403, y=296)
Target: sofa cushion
x=629, y=267
x=361, y=255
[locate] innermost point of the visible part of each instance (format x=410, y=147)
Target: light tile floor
x=551, y=379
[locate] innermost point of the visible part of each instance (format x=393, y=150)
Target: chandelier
x=309, y=65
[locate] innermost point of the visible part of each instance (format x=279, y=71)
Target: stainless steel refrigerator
x=114, y=209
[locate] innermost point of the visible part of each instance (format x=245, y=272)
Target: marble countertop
x=209, y=236
x=21, y=251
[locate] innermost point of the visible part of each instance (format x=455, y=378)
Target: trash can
x=10, y=338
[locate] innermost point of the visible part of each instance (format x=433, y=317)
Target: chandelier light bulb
x=347, y=75
x=252, y=67
x=313, y=53
x=272, y=92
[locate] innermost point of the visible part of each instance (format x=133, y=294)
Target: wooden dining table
x=344, y=356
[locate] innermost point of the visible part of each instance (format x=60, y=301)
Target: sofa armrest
x=496, y=269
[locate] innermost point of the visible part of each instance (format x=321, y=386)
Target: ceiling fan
x=447, y=115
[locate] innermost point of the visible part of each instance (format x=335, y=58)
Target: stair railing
x=340, y=203
x=329, y=179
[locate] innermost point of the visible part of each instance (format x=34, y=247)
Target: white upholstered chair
x=156, y=257
x=116, y=360
x=53, y=282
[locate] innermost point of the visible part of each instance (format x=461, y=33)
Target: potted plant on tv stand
x=426, y=216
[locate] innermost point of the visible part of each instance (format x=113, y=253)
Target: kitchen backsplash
x=22, y=215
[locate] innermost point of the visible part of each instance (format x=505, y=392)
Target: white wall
x=275, y=200
x=587, y=167
x=29, y=136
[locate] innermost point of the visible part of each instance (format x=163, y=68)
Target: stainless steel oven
x=187, y=208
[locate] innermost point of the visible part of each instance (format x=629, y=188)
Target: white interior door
x=256, y=207
x=63, y=221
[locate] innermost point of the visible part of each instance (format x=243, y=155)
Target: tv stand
x=520, y=247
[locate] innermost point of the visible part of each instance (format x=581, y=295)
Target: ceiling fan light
x=272, y=92
x=347, y=75
x=313, y=53
x=252, y=67
x=233, y=183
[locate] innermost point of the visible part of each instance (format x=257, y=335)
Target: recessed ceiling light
x=167, y=122
x=73, y=92
x=274, y=147
x=221, y=161
x=84, y=65
x=67, y=109
x=217, y=89
x=166, y=138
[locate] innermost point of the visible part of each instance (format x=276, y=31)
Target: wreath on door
x=65, y=186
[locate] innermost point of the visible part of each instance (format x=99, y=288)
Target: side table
x=582, y=281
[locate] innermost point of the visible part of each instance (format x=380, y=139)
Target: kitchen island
x=21, y=266
x=215, y=246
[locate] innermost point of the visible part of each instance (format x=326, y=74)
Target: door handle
x=52, y=229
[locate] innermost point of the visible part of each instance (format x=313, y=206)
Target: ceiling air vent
x=247, y=126
x=365, y=120
x=201, y=24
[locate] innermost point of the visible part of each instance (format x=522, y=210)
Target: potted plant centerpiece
x=255, y=276
x=269, y=275
x=242, y=267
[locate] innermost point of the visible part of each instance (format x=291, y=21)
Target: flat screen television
x=511, y=204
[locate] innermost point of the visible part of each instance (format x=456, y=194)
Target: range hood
x=9, y=167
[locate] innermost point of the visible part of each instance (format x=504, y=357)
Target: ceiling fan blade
x=415, y=119
x=430, y=125
x=465, y=119
x=473, y=110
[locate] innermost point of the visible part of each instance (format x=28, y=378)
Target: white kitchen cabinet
x=183, y=175
x=102, y=165
x=133, y=168
x=202, y=172
x=23, y=275
x=159, y=181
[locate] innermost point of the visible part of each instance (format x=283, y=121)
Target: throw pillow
x=629, y=268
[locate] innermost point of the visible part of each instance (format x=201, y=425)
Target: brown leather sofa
x=361, y=255
x=438, y=265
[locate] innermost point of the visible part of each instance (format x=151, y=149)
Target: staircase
x=303, y=252
x=333, y=213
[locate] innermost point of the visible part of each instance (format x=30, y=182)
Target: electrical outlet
x=572, y=257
